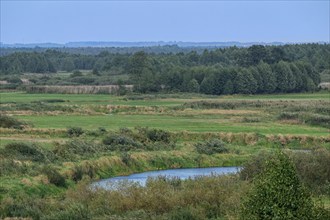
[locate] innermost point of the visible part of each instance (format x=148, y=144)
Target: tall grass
x=109, y=89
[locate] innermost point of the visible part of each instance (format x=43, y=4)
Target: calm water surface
x=141, y=178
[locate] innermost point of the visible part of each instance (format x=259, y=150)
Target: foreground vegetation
x=53, y=146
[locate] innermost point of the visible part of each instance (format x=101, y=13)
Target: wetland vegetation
x=54, y=145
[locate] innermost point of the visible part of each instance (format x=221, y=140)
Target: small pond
x=141, y=178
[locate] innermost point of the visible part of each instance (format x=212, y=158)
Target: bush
x=74, y=131
x=10, y=167
x=148, y=135
x=211, y=147
x=144, y=138
x=121, y=143
x=311, y=166
x=9, y=122
x=277, y=193
x=76, y=73
x=320, y=120
x=75, y=148
x=54, y=176
x=254, y=166
x=158, y=135
x=314, y=170
x=23, y=151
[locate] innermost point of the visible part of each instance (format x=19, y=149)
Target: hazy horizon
x=31, y=22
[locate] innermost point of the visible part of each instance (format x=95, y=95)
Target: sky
x=190, y=21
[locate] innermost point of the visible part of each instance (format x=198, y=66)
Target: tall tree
x=245, y=83
x=282, y=71
x=257, y=53
x=268, y=77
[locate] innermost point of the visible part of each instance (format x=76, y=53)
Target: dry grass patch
x=290, y=121
x=219, y=112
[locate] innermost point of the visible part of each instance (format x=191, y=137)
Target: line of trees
x=256, y=69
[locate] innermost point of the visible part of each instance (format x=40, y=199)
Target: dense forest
x=253, y=70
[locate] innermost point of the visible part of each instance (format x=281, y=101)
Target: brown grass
x=107, y=89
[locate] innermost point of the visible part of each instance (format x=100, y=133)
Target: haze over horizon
x=168, y=21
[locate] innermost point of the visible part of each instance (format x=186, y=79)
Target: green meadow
x=55, y=145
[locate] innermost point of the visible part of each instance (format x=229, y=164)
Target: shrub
x=254, y=166
x=74, y=131
x=121, y=142
x=211, y=147
x=9, y=122
x=10, y=167
x=182, y=214
x=158, y=135
x=75, y=148
x=288, y=116
x=76, y=73
x=311, y=167
x=277, y=193
x=314, y=170
x=102, y=130
x=15, y=80
x=54, y=176
x=23, y=151
x=126, y=158
x=317, y=119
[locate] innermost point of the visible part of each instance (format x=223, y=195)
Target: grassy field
x=113, y=112
x=56, y=161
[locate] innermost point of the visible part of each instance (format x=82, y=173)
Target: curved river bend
x=183, y=174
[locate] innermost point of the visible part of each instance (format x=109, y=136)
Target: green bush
x=9, y=122
x=121, y=143
x=288, y=116
x=143, y=139
x=23, y=151
x=212, y=146
x=311, y=166
x=158, y=135
x=254, y=166
x=317, y=119
x=314, y=170
x=74, y=131
x=54, y=176
x=10, y=167
x=277, y=193
x=182, y=214
x=74, y=149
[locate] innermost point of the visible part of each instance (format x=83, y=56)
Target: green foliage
x=158, y=135
x=121, y=143
x=54, y=176
x=74, y=131
x=73, y=149
x=23, y=151
x=15, y=80
x=212, y=146
x=313, y=170
x=10, y=122
x=245, y=83
x=193, y=86
x=278, y=193
x=144, y=138
x=228, y=88
x=76, y=73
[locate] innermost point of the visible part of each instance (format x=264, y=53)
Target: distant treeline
x=256, y=69
x=121, y=50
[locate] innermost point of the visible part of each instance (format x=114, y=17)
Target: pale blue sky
x=202, y=21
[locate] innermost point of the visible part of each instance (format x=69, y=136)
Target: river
x=186, y=173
